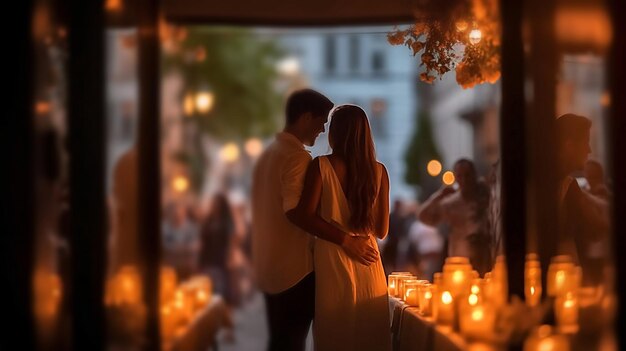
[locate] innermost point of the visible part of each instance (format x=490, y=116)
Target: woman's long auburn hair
x=351, y=139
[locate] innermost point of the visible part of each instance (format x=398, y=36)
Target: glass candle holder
x=561, y=277
x=445, y=308
x=566, y=310
x=457, y=278
x=543, y=339
x=400, y=285
x=425, y=297
x=392, y=284
x=532, y=283
x=411, y=292
x=477, y=321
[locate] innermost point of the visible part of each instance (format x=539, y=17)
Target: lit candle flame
x=475, y=36
x=446, y=297
x=477, y=314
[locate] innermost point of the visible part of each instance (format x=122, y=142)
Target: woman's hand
x=359, y=249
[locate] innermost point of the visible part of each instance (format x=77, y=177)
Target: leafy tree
x=421, y=149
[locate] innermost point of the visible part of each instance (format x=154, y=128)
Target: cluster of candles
x=47, y=294
x=180, y=302
x=458, y=298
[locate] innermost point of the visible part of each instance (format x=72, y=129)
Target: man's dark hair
x=306, y=100
x=572, y=127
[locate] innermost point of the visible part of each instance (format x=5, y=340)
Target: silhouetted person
x=465, y=212
x=583, y=218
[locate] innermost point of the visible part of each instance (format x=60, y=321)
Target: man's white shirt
x=281, y=251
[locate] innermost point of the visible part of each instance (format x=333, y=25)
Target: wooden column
x=17, y=211
x=513, y=144
x=149, y=163
x=541, y=132
x=88, y=225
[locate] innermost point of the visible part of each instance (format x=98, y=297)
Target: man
x=583, y=218
x=281, y=252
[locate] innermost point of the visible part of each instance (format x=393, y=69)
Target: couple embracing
x=315, y=225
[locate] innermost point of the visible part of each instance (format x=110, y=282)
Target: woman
x=350, y=190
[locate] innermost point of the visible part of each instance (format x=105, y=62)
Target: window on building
x=354, y=54
x=378, y=62
x=330, y=52
x=378, y=109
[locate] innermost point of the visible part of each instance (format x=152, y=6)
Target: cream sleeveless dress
x=351, y=304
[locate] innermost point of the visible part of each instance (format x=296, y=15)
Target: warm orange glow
x=475, y=289
x=583, y=27
x=605, y=100
x=446, y=297
x=113, y=5
x=180, y=184
x=546, y=345
x=434, y=168
x=200, y=54
x=569, y=302
x=560, y=278
x=42, y=107
x=461, y=26
x=475, y=36
x=230, y=152
x=47, y=293
x=458, y=277
x=477, y=314
x=472, y=299
x=189, y=105
x=428, y=295
x=448, y=178
x=124, y=288
x=204, y=102
x=254, y=147
x=201, y=296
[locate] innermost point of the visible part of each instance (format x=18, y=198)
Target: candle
x=168, y=322
x=456, y=277
x=437, y=278
x=560, y=275
x=566, y=308
x=532, y=283
x=199, y=287
x=393, y=287
x=445, y=309
x=400, y=288
x=499, y=282
x=457, y=260
x=477, y=321
x=542, y=339
x=168, y=283
x=124, y=288
x=412, y=297
x=411, y=293
x=183, y=306
x=425, y=295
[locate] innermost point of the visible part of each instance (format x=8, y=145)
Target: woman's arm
x=306, y=217
x=381, y=206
